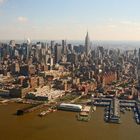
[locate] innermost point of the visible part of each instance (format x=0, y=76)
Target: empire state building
x=87, y=44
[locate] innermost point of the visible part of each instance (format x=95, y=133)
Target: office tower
x=64, y=47
x=24, y=50
x=101, y=51
x=28, y=48
x=52, y=47
x=79, y=49
x=58, y=53
x=47, y=59
x=43, y=54
x=71, y=58
x=135, y=54
x=4, y=51
x=87, y=44
x=51, y=63
x=12, y=43
x=38, y=51
x=70, y=48
x=24, y=70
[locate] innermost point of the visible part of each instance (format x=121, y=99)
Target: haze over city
x=70, y=19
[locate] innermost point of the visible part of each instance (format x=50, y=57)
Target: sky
x=70, y=19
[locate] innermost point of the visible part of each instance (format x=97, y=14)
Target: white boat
x=43, y=113
x=137, y=120
x=94, y=108
x=134, y=109
x=85, y=114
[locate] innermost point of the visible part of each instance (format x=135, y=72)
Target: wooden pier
x=31, y=109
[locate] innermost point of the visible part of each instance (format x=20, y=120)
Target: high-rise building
x=64, y=47
x=43, y=54
x=24, y=50
x=58, y=53
x=52, y=47
x=12, y=43
x=71, y=58
x=28, y=47
x=38, y=51
x=87, y=44
x=70, y=48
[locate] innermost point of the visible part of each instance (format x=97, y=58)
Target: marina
x=113, y=108
x=112, y=112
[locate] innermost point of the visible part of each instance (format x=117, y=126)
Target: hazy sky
x=70, y=19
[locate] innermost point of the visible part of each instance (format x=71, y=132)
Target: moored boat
x=85, y=114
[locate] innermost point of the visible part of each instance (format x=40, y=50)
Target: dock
x=104, y=102
x=47, y=111
x=136, y=110
x=31, y=109
x=74, y=100
x=4, y=101
x=85, y=114
x=112, y=114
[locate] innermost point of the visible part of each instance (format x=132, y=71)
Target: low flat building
x=70, y=107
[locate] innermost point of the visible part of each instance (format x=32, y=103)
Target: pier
x=136, y=110
x=127, y=104
x=74, y=100
x=31, y=109
x=103, y=102
x=85, y=114
x=112, y=113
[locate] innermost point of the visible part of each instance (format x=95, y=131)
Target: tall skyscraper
x=58, y=53
x=87, y=44
x=28, y=47
x=52, y=46
x=64, y=47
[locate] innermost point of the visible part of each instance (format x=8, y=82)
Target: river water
x=64, y=126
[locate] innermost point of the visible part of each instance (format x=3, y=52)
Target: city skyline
x=59, y=19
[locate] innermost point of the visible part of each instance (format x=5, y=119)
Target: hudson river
x=64, y=126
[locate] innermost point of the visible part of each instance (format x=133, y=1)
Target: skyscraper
x=87, y=44
x=64, y=47
x=58, y=53
x=28, y=47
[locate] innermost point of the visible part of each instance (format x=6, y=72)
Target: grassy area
x=67, y=98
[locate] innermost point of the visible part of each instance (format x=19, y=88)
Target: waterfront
x=64, y=126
